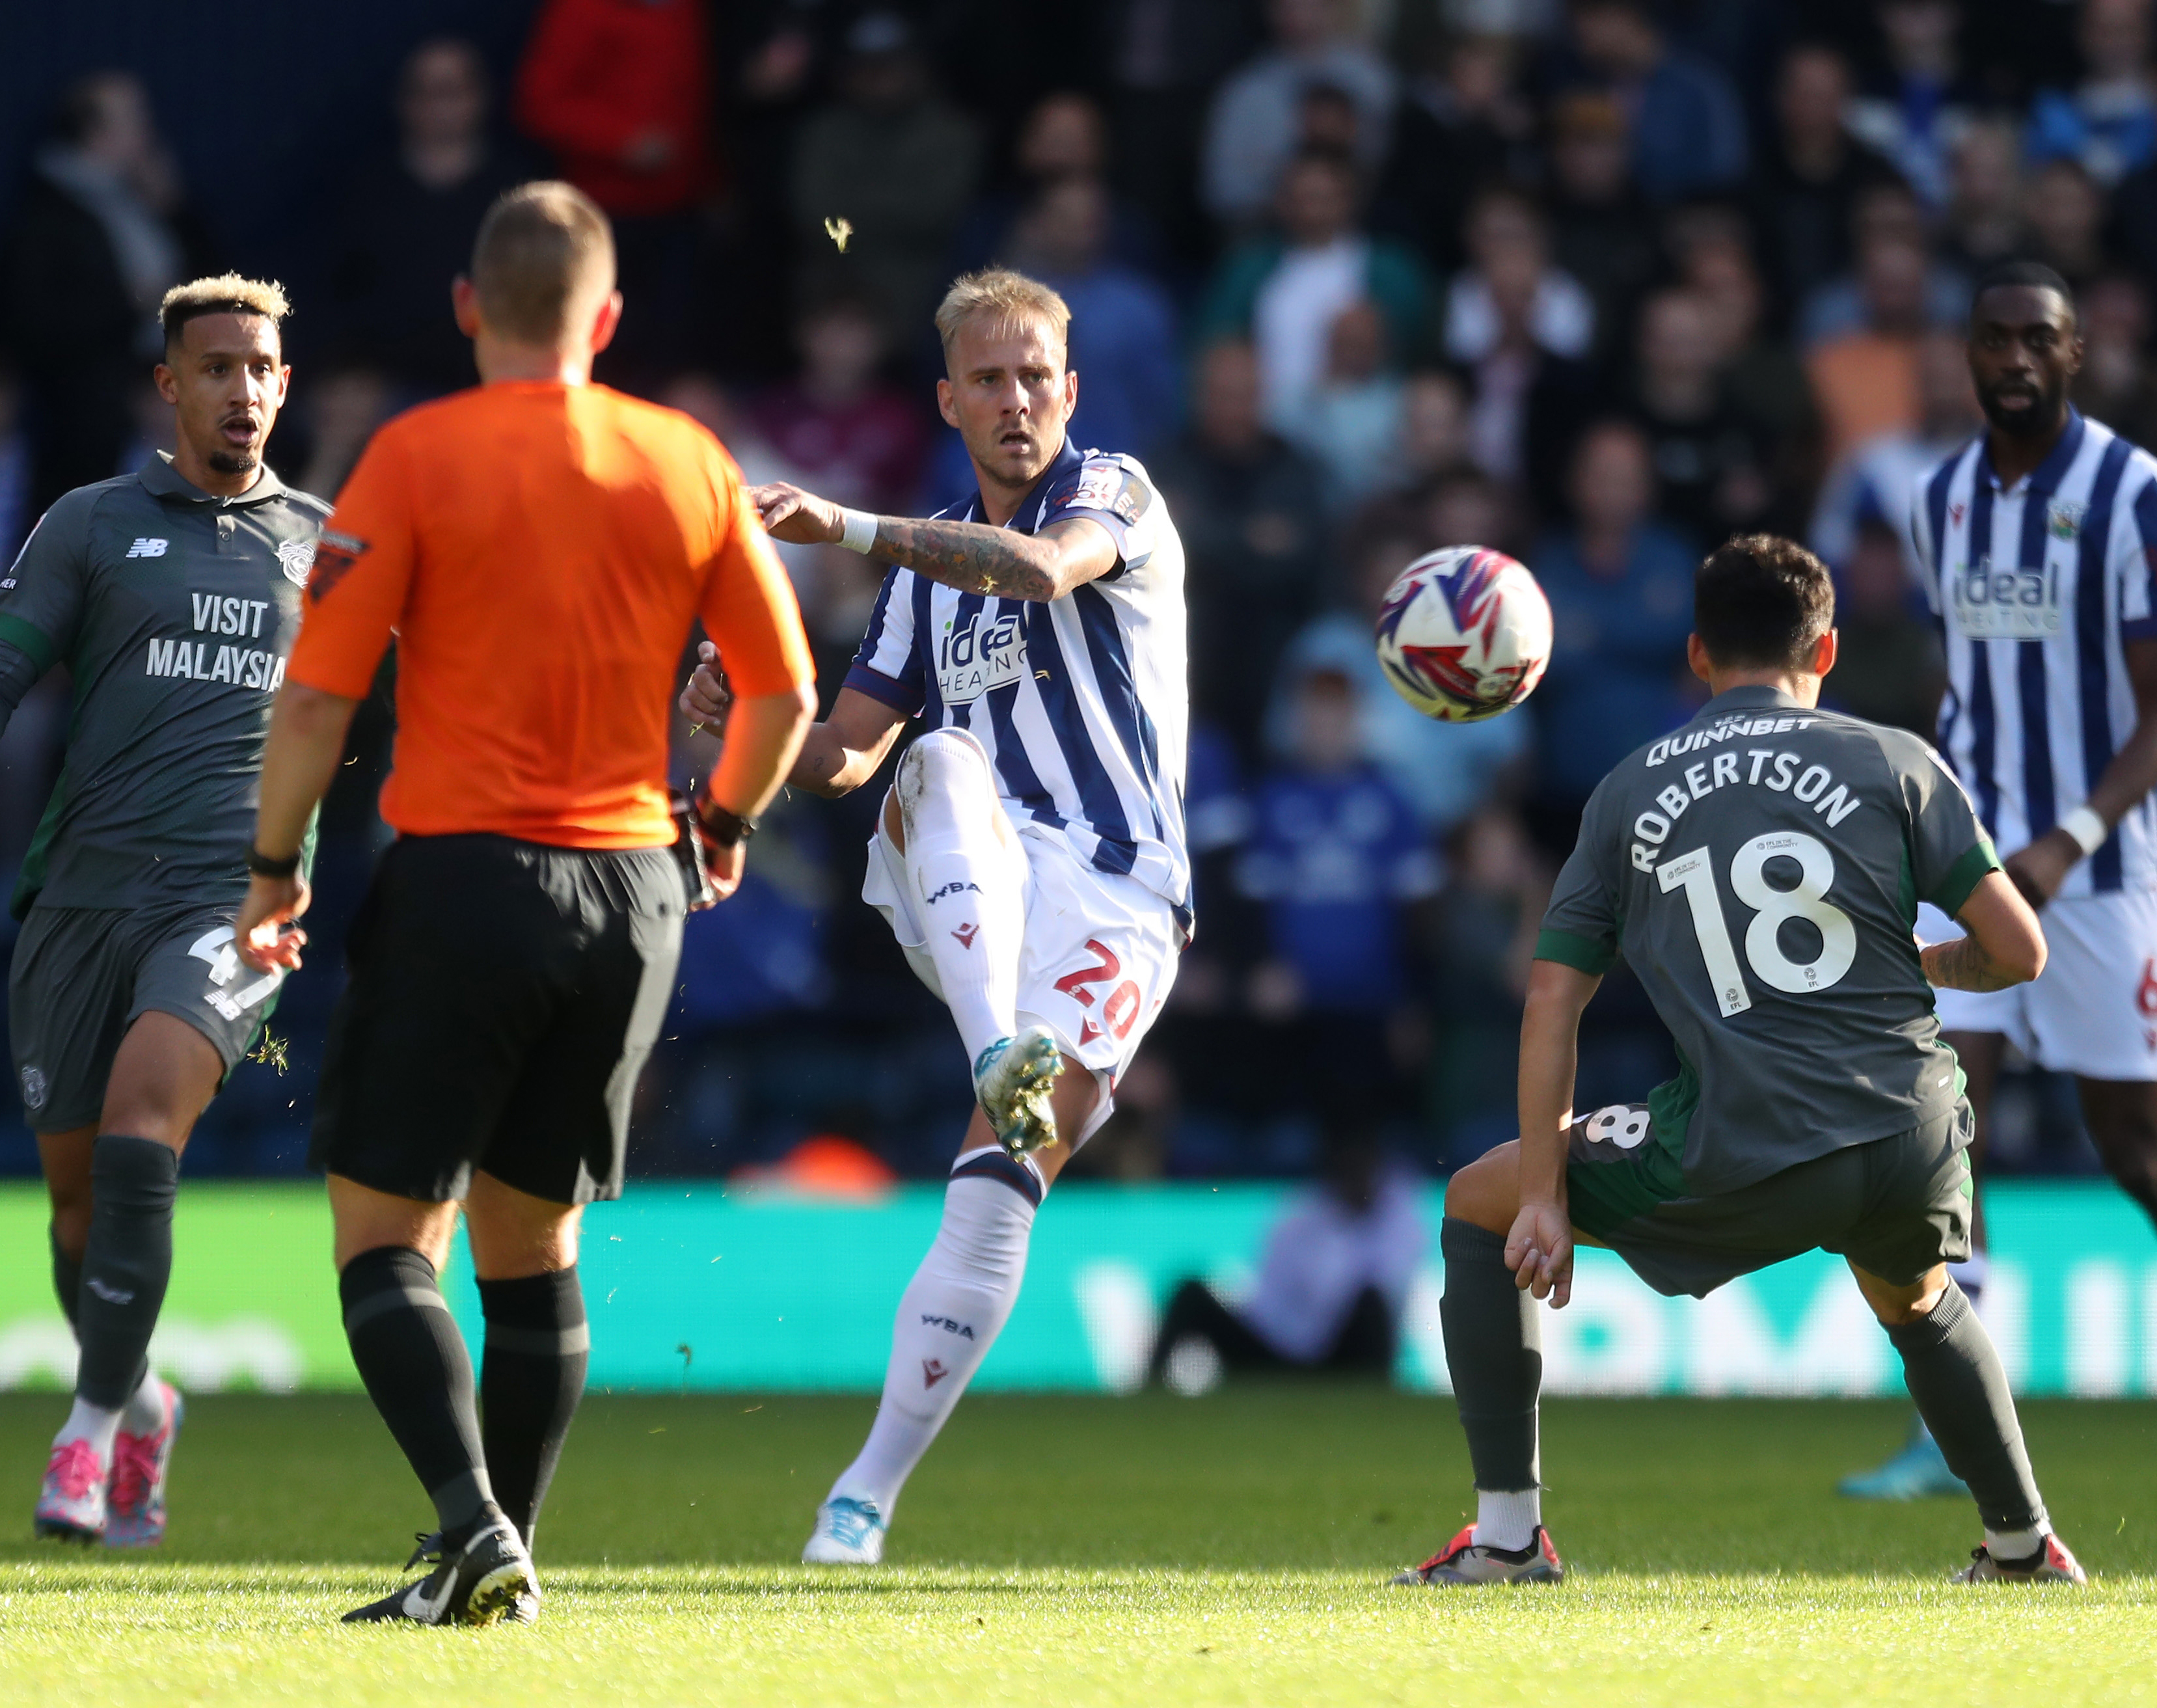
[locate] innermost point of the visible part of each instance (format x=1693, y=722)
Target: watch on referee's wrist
x=722, y=829
x=262, y=865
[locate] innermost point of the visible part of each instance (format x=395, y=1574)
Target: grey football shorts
x=1894, y=1207
x=81, y=976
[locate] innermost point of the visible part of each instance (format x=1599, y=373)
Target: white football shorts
x=1099, y=953
x=2092, y=1011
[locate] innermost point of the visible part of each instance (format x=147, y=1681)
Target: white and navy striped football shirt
x=1081, y=701
x=2037, y=588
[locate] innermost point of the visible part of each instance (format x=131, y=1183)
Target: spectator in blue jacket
x=1123, y=326
x=1688, y=127
x=1334, y=853
x=1620, y=589
x=2108, y=123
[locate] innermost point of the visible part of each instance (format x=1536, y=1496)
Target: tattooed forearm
x=972, y=557
x=1961, y=963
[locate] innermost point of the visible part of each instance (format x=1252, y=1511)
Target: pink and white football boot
x=71, y=1505
x=2051, y=1564
x=135, y=1498
x=1461, y=1563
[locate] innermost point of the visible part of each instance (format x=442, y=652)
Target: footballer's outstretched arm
x=971, y=556
x=2005, y=945
x=836, y=756
x=2039, y=870
x=1539, y=1250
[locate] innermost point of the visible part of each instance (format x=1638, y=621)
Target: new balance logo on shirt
x=2038, y=588
x=149, y=548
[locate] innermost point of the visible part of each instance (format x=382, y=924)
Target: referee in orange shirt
x=539, y=546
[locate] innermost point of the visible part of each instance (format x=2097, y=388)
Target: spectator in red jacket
x=621, y=92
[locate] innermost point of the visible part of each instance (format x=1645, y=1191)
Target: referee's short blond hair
x=542, y=260
x=1008, y=298
x=226, y=293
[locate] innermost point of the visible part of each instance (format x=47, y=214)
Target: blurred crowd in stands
x=1595, y=281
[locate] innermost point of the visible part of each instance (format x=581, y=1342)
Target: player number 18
x=1748, y=877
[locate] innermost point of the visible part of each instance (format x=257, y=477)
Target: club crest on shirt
x=2064, y=518
x=296, y=557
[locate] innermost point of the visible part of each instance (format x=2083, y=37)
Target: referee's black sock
x=531, y=1374
x=67, y=1279
x=1493, y=1350
x=1955, y=1376
x=125, y=1265
x=419, y=1376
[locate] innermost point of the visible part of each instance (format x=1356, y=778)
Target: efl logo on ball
x=1465, y=634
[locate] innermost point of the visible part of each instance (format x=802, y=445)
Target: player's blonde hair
x=543, y=257
x=228, y=293
x=1008, y=298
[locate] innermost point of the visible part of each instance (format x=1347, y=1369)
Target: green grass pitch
x=1062, y=1550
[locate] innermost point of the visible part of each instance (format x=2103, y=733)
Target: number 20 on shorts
x=1121, y=1009
x=1695, y=873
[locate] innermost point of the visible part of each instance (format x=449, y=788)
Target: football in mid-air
x=1465, y=634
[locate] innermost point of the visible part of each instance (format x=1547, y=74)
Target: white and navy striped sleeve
x=2131, y=559
x=1928, y=520
x=888, y=666
x=1113, y=490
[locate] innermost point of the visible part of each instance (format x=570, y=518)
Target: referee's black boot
x=486, y=1578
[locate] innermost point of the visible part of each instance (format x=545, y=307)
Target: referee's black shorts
x=503, y=999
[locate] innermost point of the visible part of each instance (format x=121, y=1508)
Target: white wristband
x=859, y=531
x=2086, y=826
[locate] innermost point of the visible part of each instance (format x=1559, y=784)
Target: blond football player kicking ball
x=1761, y=871
x=1030, y=855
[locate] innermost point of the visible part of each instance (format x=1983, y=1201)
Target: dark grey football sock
x=531, y=1374
x=419, y=1376
x=67, y=1278
x=1955, y=1376
x=1493, y=1349
x=125, y=1265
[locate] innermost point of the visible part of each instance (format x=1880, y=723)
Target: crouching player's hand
x=706, y=697
x=1539, y=1252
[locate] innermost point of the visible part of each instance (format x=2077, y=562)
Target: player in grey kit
x=173, y=597
x=1760, y=870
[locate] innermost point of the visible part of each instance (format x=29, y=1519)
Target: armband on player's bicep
x=1583, y=954
x=1964, y=875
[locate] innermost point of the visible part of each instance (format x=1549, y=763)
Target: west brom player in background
x=173, y=596
x=2035, y=541
x=1030, y=856
x=1760, y=870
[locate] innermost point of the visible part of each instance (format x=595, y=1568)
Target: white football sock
x=93, y=1424
x=948, y=1317
x=2015, y=1545
x=1506, y=1518
x=146, y=1411
x=970, y=880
